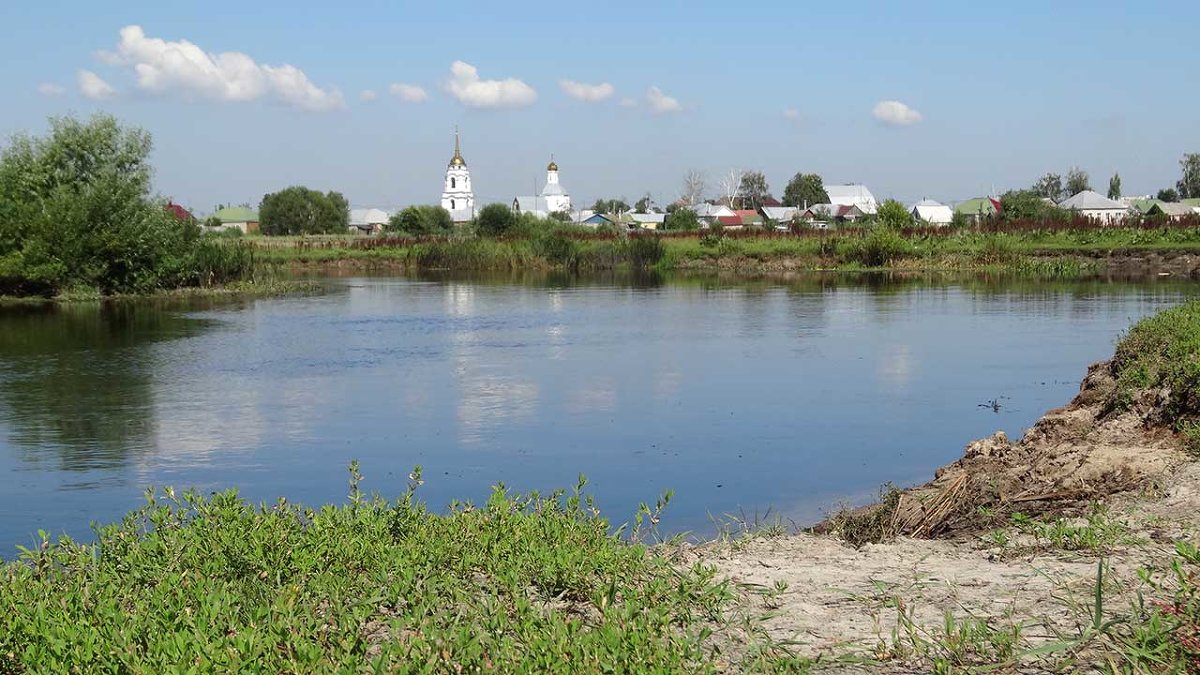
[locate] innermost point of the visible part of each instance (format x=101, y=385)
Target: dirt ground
x=888, y=602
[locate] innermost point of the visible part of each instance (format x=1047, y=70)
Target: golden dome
x=457, y=159
x=552, y=166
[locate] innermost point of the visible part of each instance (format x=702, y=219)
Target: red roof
x=178, y=211
x=996, y=203
x=746, y=213
x=730, y=220
x=770, y=201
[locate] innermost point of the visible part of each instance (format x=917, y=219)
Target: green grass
x=1162, y=352
x=191, y=583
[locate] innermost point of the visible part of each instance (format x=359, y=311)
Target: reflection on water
x=789, y=393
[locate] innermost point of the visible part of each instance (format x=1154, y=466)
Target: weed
x=871, y=524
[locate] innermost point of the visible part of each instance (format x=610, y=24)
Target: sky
x=940, y=100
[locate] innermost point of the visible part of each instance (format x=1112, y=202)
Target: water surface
x=741, y=396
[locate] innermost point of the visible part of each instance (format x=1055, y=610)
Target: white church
x=554, y=198
x=457, y=197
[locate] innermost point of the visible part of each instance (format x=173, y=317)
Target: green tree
x=612, y=206
x=1049, y=186
x=892, y=214
x=1114, y=186
x=643, y=205
x=682, y=219
x=1168, y=195
x=753, y=190
x=299, y=210
x=804, y=190
x=560, y=216
x=76, y=211
x=1077, y=181
x=494, y=220
x=1188, y=186
x=421, y=220
x=1027, y=205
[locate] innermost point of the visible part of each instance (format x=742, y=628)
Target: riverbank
x=1114, y=251
x=538, y=583
x=258, y=288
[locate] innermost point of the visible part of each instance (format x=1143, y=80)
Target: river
x=746, y=397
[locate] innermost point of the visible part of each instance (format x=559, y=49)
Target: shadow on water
x=76, y=380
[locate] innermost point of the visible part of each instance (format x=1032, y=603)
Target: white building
x=853, y=195
x=934, y=213
x=457, y=197
x=1091, y=204
x=368, y=220
x=554, y=198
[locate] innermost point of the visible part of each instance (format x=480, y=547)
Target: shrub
x=1162, y=352
x=682, y=219
x=299, y=210
x=557, y=248
x=76, y=212
x=879, y=247
x=421, y=220
x=645, y=250
x=494, y=220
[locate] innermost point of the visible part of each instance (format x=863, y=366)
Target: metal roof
x=237, y=214
x=1089, y=200
x=360, y=217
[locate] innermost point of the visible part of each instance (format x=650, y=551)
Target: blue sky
x=989, y=96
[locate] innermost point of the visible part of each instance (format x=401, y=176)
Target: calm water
x=740, y=396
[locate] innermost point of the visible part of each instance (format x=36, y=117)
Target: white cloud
x=627, y=103
x=50, y=89
x=181, y=67
x=895, y=113
x=409, y=93
x=464, y=84
x=660, y=102
x=93, y=87
x=582, y=91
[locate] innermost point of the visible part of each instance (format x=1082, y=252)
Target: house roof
x=833, y=211
x=236, y=214
x=1089, y=200
x=530, y=204
x=178, y=211
x=978, y=205
x=771, y=201
x=1172, y=209
x=1190, y=202
x=780, y=213
x=648, y=217
x=597, y=219
x=553, y=190
x=734, y=221
x=363, y=217
x=852, y=194
x=712, y=210
x=931, y=211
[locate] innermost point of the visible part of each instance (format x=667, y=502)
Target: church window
x=452, y=206
x=452, y=182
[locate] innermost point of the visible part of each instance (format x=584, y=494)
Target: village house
x=709, y=213
x=1090, y=204
x=240, y=218
x=1172, y=210
x=368, y=221
x=179, y=212
x=780, y=215
x=853, y=195
x=819, y=214
x=932, y=212
x=978, y=208
x=649, y=221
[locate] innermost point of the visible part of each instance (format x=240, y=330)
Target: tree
x=1168, y=195
x=893, y=214
x=804, y=190
x=682, y=219
x=1049, y=186
x=694, y=185
x=494, y=220
x=1114, y=186
x=560, y=216
x=615, y=206
x=421, y=220
x=752, y=190
x=76, y=211
x=730, y=183
x=300, y=210
x=1077, y=181
x=1027, y=205
x=644, y=204
x=1188, y=186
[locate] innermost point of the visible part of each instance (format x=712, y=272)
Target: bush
x=1162, y=352
x=76, y=213
x=682, y=219
x=494, y=220
x=299, y=210
x=645, y=250
x=881, y=246
x=421, y=220
x=893, y=214
x=556, y=248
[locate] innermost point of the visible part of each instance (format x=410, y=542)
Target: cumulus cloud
x=627, y=103
x=895, y=113
x=92, y=86
x=464, y=84
x=582, y=91
x=183, y=68
x=660, y=102
x=50, y=89
x=368, y=95
x=409, y=93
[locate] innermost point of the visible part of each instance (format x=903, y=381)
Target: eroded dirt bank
x=996, y=560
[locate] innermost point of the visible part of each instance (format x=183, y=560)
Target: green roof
x=1195, y=201
x=976, y=206
x=237, y=214
x=1143, y=205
